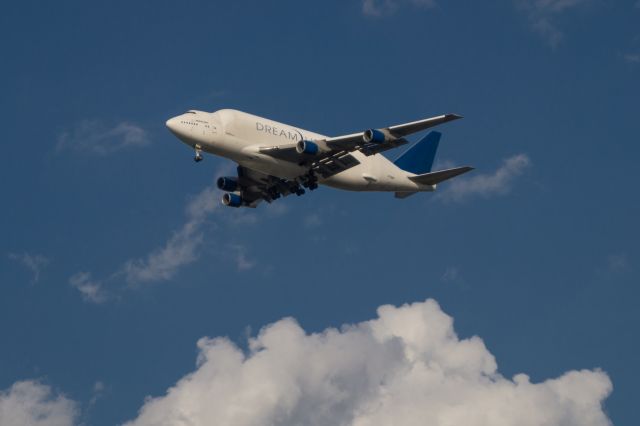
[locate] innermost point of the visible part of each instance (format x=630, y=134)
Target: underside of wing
x=251, y=187
x=256, y=186
x=334, y=164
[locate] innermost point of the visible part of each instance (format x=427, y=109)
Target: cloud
x=485, y=185
x=618, y=262
x=180, y=249
x=33, y=262
x=542, y=15
x=312, y=220
x=98, y=391
x=94, y=137
x=405, y=367
x=378, y=8
x=29, y=403
x=451, y=273
x=91, y=290
x=632, y=58
x=243, y=263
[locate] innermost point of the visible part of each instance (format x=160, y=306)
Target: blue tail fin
x=419, y=158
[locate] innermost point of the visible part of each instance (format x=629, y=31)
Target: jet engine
x=376, y=136
x=228, y=184
x=307, y=147
x=231, y=200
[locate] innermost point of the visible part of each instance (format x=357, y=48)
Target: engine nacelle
x=307, y=147
x=231, y=200
x=228, y=184
x=375, y=136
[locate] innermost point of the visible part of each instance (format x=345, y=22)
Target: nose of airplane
x=172, y=124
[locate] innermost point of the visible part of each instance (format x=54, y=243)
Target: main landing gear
x=309, y=181
x=198, y=156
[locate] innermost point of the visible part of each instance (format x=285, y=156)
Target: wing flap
x=335, y=164
x=375, y=148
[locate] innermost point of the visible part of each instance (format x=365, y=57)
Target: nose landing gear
x=198, y=156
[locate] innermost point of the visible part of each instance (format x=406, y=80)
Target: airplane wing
x=255, y=186
x=330, y=156
x=393, y=133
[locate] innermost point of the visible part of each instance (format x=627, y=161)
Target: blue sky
x=535, y=251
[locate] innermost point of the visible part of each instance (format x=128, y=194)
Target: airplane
x=276, y=159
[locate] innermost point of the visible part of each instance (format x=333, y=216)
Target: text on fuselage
x=272, y=130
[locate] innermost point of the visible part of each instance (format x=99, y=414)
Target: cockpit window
x=190, y=112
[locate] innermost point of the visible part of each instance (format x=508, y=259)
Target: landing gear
x=198, y=156
x=310, y=181
x=295, y=188
x=274, y=194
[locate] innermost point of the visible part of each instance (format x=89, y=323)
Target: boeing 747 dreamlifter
x=276, y=159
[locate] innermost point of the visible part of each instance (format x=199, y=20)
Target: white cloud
x=379, y=8
x=633, y=58
x=91, y=290
x=243, y=263
x=33, y=262
x=543, y=13
x=451, y=273
x=29, y=403
x=94, y=137
x=98, y=391
x=618, y=262
x=499, y=182
x=180, y=249
x=312, y=220
x=406, y=367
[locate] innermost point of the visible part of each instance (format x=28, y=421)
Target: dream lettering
x=275, y=131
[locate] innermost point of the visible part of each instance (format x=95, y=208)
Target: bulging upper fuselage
x=239, y=136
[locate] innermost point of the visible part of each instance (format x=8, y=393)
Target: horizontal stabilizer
x=439, y=176
x=404, y=194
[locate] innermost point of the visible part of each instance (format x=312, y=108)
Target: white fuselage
x=239, y=136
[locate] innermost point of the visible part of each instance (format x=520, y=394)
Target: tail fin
x=419, y=158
